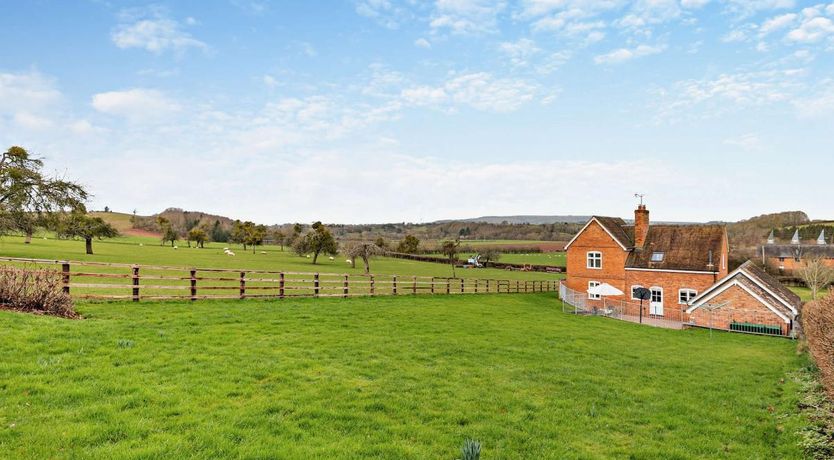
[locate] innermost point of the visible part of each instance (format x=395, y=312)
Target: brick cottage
x=676, y=263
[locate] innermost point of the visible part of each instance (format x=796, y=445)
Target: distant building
x=789, y=257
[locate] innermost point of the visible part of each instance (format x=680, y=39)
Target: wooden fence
x=114, y=281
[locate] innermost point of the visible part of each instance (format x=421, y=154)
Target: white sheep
x=308, y=256
x=230, y=253
x=176, y=247
x=263, y=252
x=225, y=249
x=332, y=258
x=349, y=261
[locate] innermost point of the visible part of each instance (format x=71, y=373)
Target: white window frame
x=692, y=294
x=662, y=256
x=662, y=295
x=597, y=257
x=593, y=296
x=632, y=291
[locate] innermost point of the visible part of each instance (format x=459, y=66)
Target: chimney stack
x=641, y=225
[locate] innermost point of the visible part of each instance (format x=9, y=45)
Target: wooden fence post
x=135, y=283
x=345, y=290
x=517, y=290
x=448, y=285
x=414, y=285
x=65, y=277
x=487, y=285
x=242, y=285
x=372, y=285
x=432, y=285
x=281, y=285
x=477, y=281
x=394, y=284
x=316, y=285
x=462, y=281
x=193, y=284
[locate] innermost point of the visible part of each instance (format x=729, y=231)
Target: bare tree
x=450, y=249
x=816, y=274
x=363, y=251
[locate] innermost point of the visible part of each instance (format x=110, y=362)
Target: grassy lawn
x=148, y=251
x=393, y=377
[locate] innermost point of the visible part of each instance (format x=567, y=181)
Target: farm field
x=406, y=377
x=128, y=250
x=556, y=259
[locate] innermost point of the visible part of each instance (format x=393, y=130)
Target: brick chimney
x=641, y=225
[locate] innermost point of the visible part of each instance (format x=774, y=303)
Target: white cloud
x=694, y=4
x=519, y=52
x=466, y=16
x=812, y=30
x=137, y=104
x=820, y=101
x=31, y=121
x=745, y=8
x=711, y=97
x=480, y=91
x=627, y=54
x=270, y=81
x=776, y=23
x=384, y=12
x=27, y=92
x=422, y=43
x=748, y=142
x=156, y=33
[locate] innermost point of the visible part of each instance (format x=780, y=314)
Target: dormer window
x=657, y=256
x=594, y=260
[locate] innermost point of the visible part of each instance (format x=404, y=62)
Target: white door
x=656, y=302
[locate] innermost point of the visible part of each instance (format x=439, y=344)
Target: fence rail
x=119, y=281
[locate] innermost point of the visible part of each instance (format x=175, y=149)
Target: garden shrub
x=34, y=291
x=818, y=325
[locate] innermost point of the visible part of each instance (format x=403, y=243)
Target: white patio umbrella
x=604, y=290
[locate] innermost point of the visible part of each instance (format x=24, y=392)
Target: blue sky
x=383, y=110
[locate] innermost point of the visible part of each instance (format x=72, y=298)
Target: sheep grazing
x=263, y=252
x=230, y=253
x=308, y=256
x=332, y=258
x=225, y=249
x=176, y=247
x=349, y=261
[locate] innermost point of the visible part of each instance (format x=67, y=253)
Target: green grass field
x=406, y=377
x=128, y=250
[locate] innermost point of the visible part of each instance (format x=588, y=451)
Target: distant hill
x=123, y=223
x=541, y=220
x=536, y=220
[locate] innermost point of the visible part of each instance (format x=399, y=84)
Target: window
x=781, y=259
x=657, y=295
x=592, y=284
x=657, y=257
x=595, y=260
x=685, y=295
x=634, y=289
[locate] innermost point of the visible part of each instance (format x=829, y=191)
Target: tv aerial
x=640, y=196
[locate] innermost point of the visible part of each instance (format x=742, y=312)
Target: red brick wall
x=743, y=308
x=595, y=238
x=791, y=266
x=670, y=282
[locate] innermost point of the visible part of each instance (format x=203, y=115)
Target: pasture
x=404, y=377
x=148, y=251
